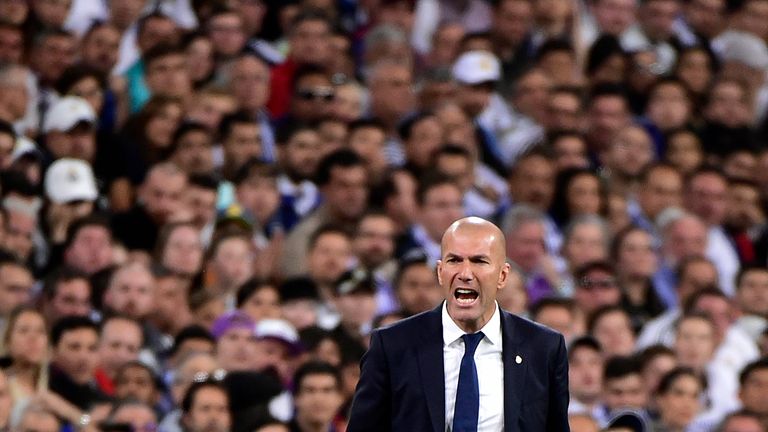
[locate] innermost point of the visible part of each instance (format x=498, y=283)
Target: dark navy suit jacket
x=402, y=384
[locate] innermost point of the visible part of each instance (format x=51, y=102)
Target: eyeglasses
x=591, y=284
x=217, y=375
x=326, y=94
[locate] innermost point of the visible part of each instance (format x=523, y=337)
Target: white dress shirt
x=490, y=371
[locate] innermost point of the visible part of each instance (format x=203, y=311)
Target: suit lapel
x=514, y=372
x=431, y=368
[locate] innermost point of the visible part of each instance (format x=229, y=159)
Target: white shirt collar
x=452, y=332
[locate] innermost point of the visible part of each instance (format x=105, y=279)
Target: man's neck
x=308, y=426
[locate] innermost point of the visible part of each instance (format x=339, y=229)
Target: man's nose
x=465, y=273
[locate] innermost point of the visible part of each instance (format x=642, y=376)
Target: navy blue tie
x=468, y=391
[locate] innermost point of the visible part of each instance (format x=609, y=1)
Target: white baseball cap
x=70, y=180
x=476, y=67
x=280, y=330
x=67, y=112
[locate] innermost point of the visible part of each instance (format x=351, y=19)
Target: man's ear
x=503, y=276
x=438, y=268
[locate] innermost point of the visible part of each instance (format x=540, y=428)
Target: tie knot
x=471, y=341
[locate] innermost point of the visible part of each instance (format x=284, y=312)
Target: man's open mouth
x=465, y=296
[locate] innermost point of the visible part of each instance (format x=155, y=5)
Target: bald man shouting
x=467, y=365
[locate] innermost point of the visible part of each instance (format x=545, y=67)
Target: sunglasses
x=591, y=284
x=326, y=94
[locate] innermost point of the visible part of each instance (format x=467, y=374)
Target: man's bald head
x=479, y=227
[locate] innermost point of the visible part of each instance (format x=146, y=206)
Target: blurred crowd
x=207, y=205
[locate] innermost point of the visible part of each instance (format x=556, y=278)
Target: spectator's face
x=418, y=290
x=564, y=112
x=597, y=288
x=161, y=194
x=171, y=306
x=752, y=393
x=656, y=369
x=140, y=417
x=226, y=33
x=264, y=303
x=706, y=17
x=272, y=353
x=242, y=144
x=51, y=13
x=531, y=94
x=15, y=287
x=630, y=151
x=348, y=103
x=684, y=152
x=357, y=309
x=72, y=297
x=120, y=343
x=695, y=343
x=474, y=98
x=28, y=339
x=236, y=349
x=728, y=105
x=78, y=142
x=301, y=313
x=183, y=252
x=669, y=107
x=209, y=412
x=557, y=318
x=586, y=243
x=614, y=332
x=161, y=126
x=583, y=195
x=375, y=241
x=426, y=137
x=585, y=374
x=131, y=292
x=441, y=207
x=460, y=168
x=512, y=21
x=194, y=153
x=368, y=142
x=607, y=115
x=202, y=204
x=135, y=382
x=680, y=404
x=329, y=258
x=313, y=97
x=185, y=374
x=157, y=30
x=740, y=165
x=753, y=17
x=346, y=193
x=391, y=89
x=310, y=42
x=260, y=196
x=636, y=256
x=625, y=392
x=53, y=56
x=250, y=83
x=614, y=16
x=200, y=59
x=533, y=182
x=91, y=249
x=77, y=354
x=11, y=43
x=101, y=48
x=718, y=310
x=301, y=154
x=169, y=76
x=663, y=188
x=446, y=43
x=570, y=152
x=657, y=17
x=209, y=108
x=317, y=399
x=752, y=293
x=233, y=263
x=89, y=89
x=694, y=68
x=707, y=197
x=697, y=276
x=525, y=246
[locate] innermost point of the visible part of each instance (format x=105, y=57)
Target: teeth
x=464, y=291
x=465, y=301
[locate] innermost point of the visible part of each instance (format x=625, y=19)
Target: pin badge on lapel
x=518, y=359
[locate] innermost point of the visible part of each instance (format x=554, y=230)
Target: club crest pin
x=518, y=359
